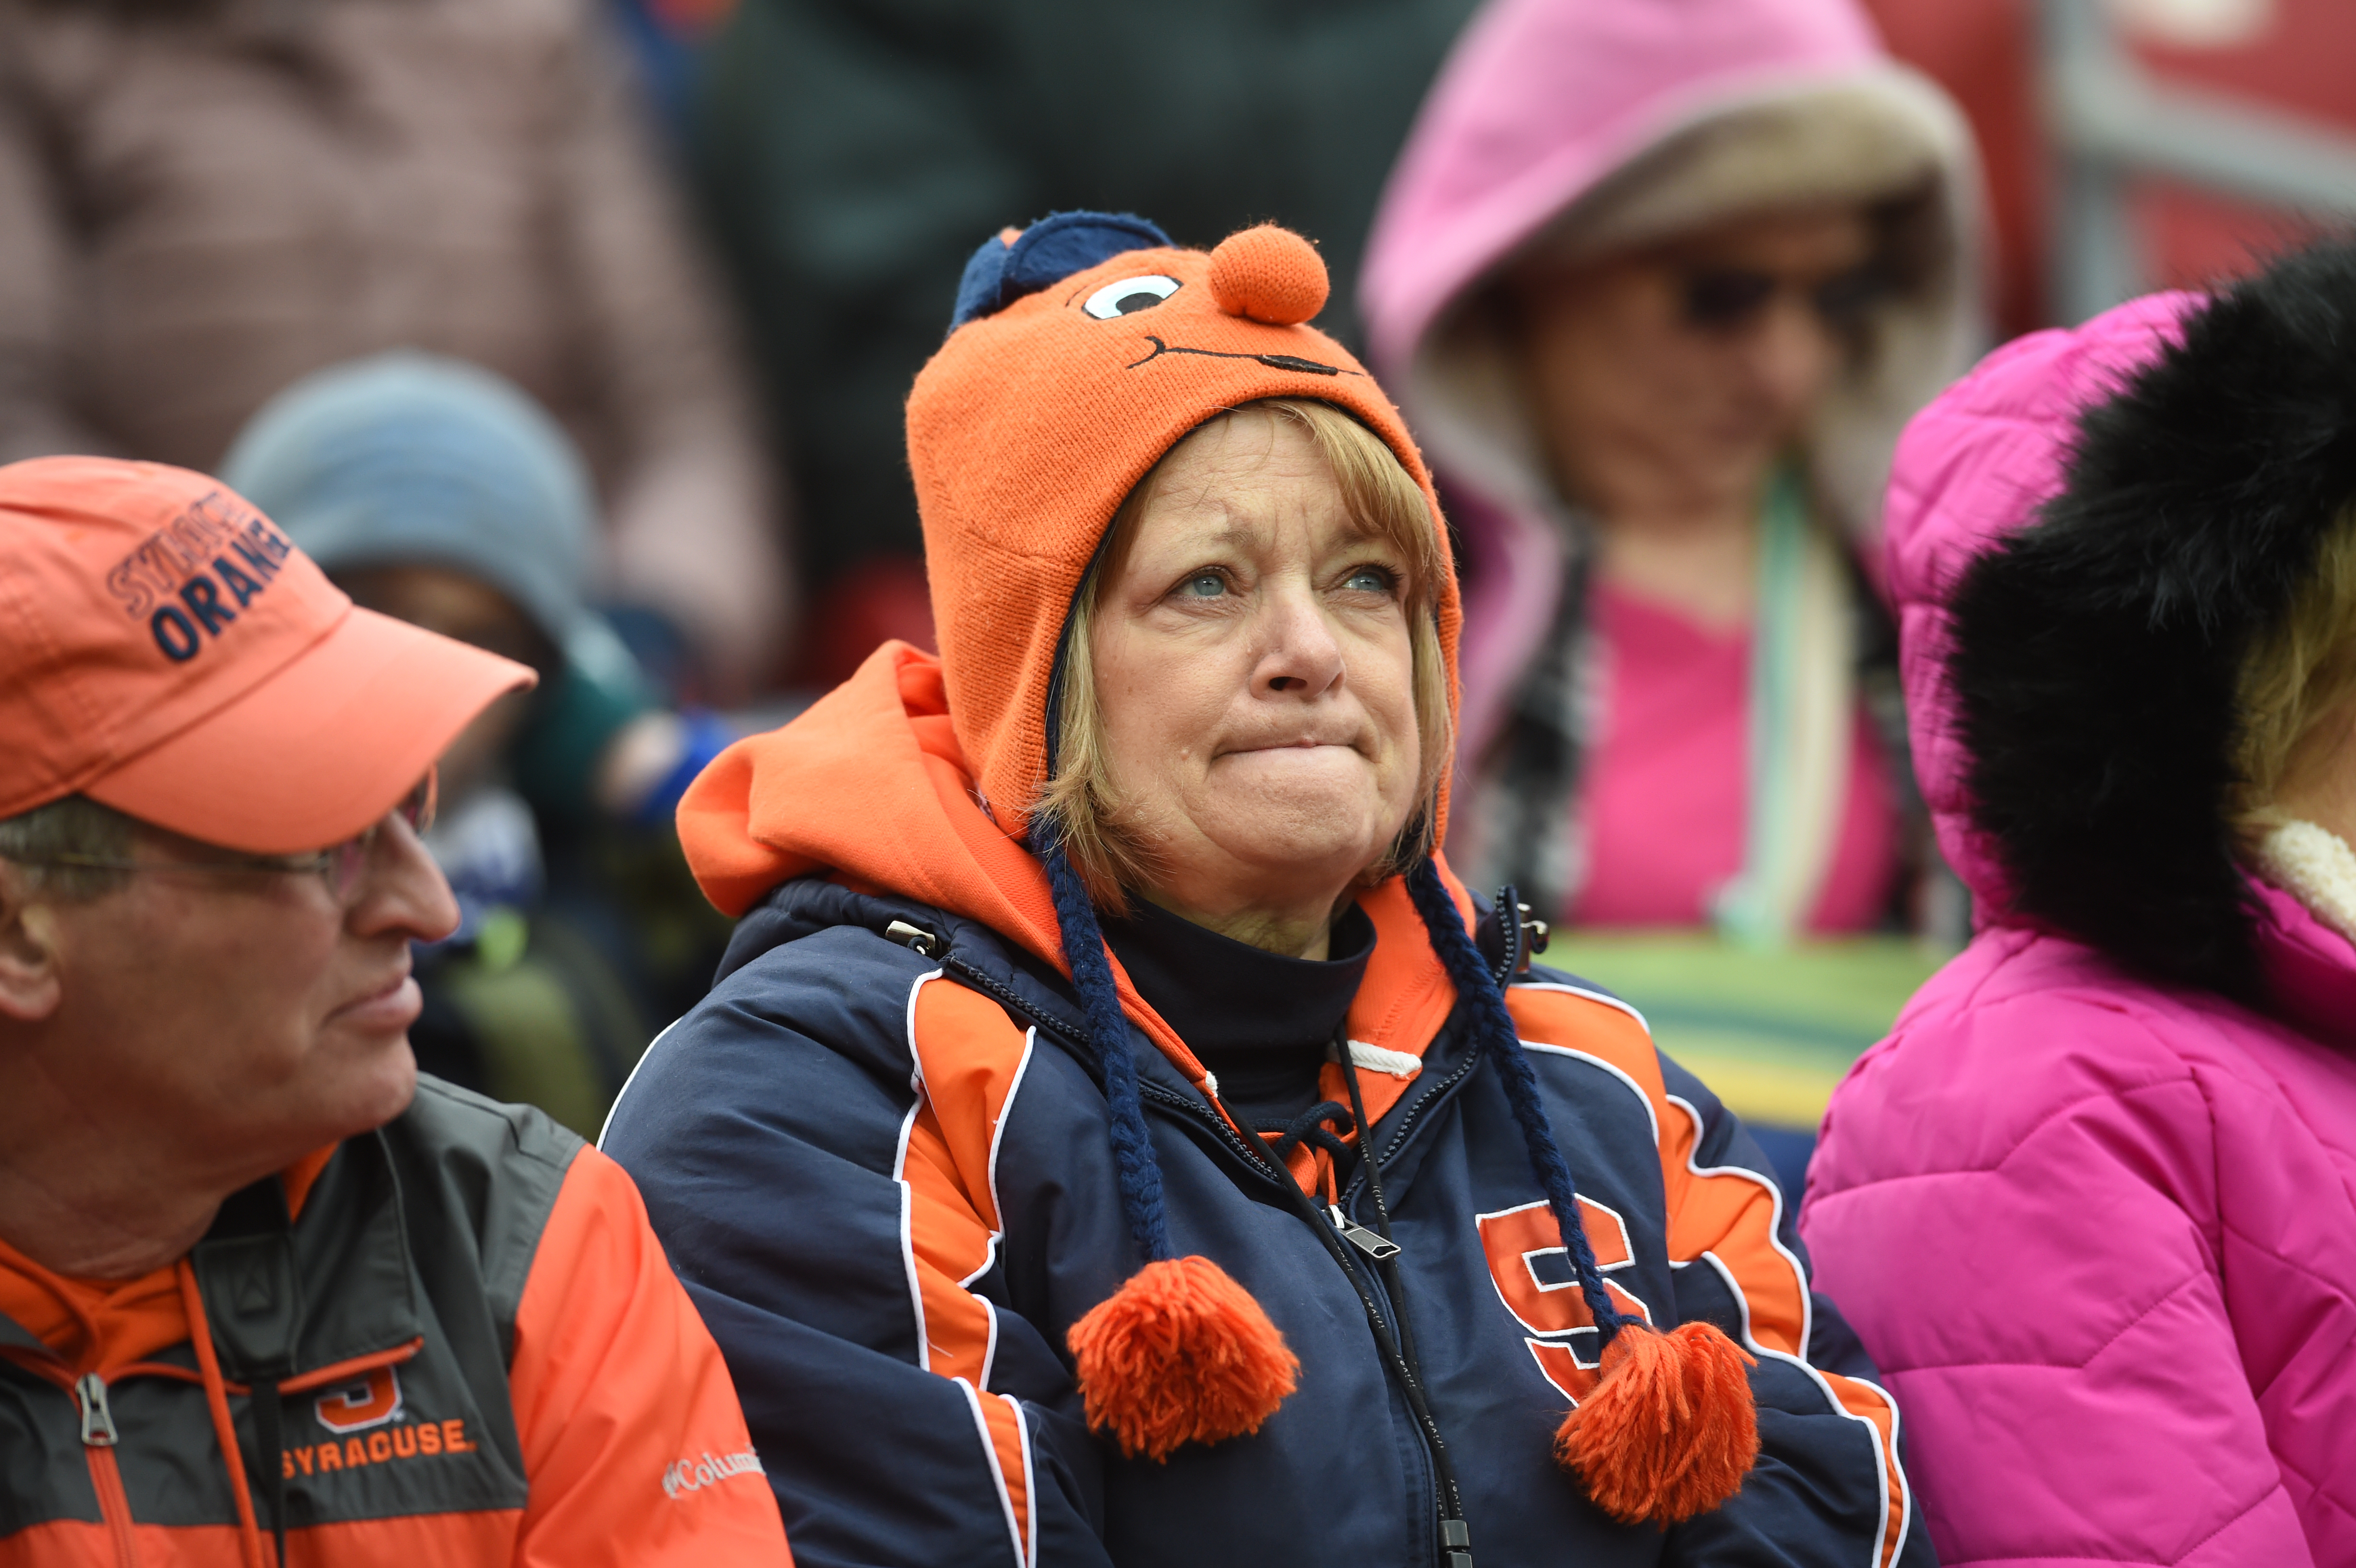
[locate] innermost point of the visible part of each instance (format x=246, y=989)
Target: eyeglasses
x=1727, y=300
x=339, y=866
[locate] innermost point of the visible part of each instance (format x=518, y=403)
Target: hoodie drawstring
x=1309, y=1127
x=224, y=1428
x=269, y=1439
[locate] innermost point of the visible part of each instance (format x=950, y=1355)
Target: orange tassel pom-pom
x=1181, y=1353
x=1670, y=1431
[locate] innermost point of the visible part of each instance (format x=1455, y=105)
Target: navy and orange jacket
x=480, y=1358
x=877, y=1154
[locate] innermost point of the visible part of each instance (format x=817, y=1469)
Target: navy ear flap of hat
x=1046, y=253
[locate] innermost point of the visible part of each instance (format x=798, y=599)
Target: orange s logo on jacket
x=1555, y=1314
x=356, y=1407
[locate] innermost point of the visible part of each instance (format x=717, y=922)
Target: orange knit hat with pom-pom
x=1086, y=347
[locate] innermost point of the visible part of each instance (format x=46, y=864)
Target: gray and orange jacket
x=454, y=1341
x=878, y=1154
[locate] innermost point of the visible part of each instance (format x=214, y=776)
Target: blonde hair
x=1078, y=809
x=2296, y=680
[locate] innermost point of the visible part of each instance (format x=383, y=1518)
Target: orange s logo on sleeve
x=1556, y=1323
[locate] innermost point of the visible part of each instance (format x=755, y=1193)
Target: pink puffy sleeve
x=2029, y=1201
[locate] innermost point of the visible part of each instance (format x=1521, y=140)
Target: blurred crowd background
x=580, y=329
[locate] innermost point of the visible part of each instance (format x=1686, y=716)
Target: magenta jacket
x=2098, y=1229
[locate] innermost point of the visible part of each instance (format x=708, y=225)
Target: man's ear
x=31, y=982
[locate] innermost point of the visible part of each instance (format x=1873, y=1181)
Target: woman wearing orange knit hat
x=1116, y=1137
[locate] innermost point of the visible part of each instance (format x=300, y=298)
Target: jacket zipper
x=98, y=1439
x=1441, y=1093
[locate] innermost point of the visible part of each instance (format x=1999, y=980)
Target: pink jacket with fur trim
x=2100, y=1232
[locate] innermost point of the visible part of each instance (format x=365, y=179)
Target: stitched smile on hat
x=1267, y=274
x=1274, y=361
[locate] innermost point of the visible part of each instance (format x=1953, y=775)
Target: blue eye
x=1204, y=585
x=1370, y=580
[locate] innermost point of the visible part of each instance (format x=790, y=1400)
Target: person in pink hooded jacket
x=2093, y=1205
x=1659, y=284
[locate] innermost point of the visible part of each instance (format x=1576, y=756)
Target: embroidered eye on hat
x=163, y=650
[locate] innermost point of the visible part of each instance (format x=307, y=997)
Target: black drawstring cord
x=270, y=1440
x=1379, y=1326
x=1452, y=1532
x=1455, y=1534
x=1365, y=1140
x=1374, y=1192
x=1309, y=1127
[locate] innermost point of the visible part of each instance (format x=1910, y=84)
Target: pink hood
x=1541, y=102
x=2098, y=1231
x=1542, y=99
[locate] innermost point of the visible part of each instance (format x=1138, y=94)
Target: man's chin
x=347, y=1096
x=379, y=1088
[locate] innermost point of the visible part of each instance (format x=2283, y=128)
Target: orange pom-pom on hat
x=1180, y=1353
x=1671, y=1427
x=1270, y=274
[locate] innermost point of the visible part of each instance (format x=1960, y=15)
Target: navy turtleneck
x=1259, y=1021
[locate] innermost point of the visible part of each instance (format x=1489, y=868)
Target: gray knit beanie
x=414, y=459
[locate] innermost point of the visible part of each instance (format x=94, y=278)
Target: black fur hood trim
x=2095, y=653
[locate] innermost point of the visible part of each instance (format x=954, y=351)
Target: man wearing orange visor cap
x=263, y=1290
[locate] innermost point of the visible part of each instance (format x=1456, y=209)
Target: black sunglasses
x=1732, y=299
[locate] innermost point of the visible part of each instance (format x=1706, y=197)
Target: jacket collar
x=15, y=1336
x=1402, y=1005
x=2309, y=968
x=267, y=1279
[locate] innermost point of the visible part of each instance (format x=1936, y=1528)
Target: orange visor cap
x=166, y=651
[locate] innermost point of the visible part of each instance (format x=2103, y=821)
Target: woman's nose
x=1793, y=356
x=1300, y=656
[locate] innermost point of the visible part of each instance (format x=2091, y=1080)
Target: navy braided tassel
x=1132, y=1146
x=1180, y=1353
x=1494, y=1026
